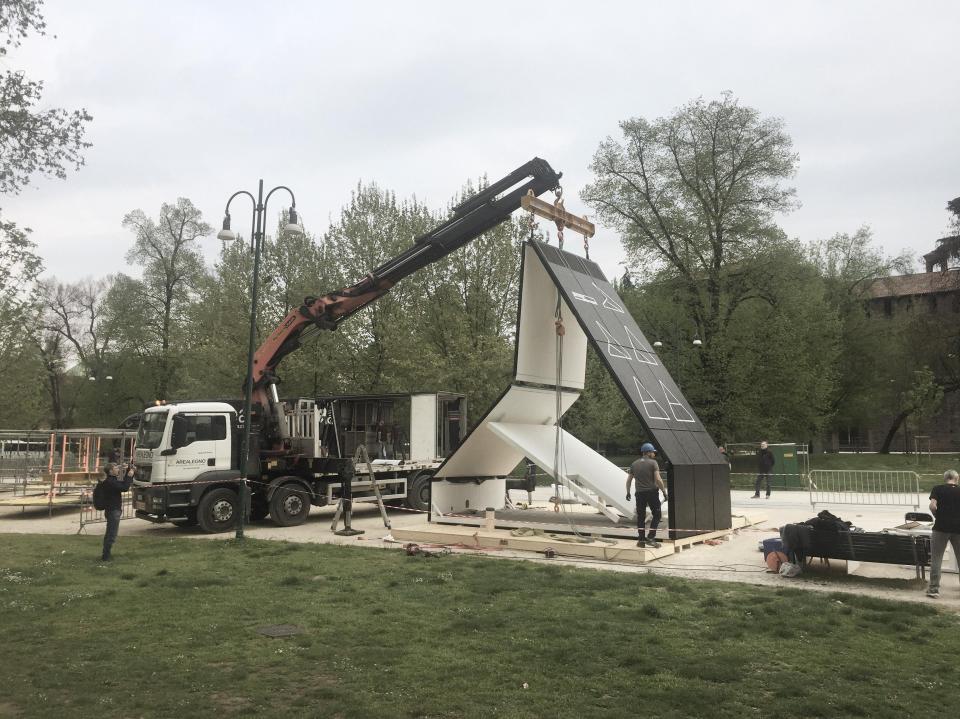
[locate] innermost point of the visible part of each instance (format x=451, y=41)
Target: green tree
x=19, y=269
x=694, y=196
x=373, y=346
x=920, y=367
x=772, y=367
x=32, y=140
x=214, y=360
x=293, y=267
x=697, y=192
x=167, y=250
x=23, y=403
x=849, y=264
x=297, y=266
x=466, y=312
x=920, y=397
x=76, y=333
x=780, y=352
x=953, y=207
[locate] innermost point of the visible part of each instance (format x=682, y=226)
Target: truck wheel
x=290, y=505
x=217, y=511
x=418, y=491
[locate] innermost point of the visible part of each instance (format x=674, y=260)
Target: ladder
x=345, y=506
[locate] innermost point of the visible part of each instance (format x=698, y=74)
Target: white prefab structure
x=423, y=426
x=549, y=375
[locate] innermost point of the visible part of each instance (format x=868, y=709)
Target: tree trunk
x=892, y=432
x=53, y=375
x=56, y=403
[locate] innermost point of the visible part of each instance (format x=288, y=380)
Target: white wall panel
x=575, y=461
x=457, y=496
x=484, y=454
x=423, y=427
x=537, y=341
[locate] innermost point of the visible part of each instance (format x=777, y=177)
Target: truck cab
x=184, y=451
x=177, y=442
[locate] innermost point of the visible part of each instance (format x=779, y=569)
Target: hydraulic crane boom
x=481, y=212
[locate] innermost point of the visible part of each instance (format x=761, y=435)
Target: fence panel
x=90, y=515
x=867, y=487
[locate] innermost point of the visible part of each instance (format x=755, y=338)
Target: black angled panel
x=636, y=368
x=699, y=492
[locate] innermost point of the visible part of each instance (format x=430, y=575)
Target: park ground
x=170, y=628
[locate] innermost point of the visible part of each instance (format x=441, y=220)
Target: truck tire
x=418, y=491
x=290, y=505
x=217, y=511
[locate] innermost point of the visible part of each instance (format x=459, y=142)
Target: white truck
x=193, y=465
x=188, y=455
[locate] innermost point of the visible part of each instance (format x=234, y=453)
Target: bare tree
x=72, y=328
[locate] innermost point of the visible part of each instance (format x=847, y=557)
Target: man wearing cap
x=649, y=484
x=114, y=487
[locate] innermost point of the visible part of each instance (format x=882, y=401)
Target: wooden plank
x=557, y=213
x=472, y=537
x=739, y=522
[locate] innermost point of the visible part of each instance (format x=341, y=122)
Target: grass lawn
x=933, y=466
x=168, y=630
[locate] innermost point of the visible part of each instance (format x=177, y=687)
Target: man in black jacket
x=765, y=462
x=945, y=505
x=113, y=489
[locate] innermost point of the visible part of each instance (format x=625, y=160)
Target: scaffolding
x=53, y=468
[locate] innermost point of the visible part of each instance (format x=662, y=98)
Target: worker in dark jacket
x=945, y=505
x=113, y=488
x=765, y=462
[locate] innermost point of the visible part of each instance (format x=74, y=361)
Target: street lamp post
x=257, y=231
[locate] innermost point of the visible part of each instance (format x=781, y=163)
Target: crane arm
x=481, y=212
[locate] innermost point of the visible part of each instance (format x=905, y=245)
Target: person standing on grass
x=113, y=489
x=945, y=505
x=649, y=484
x=765, y=462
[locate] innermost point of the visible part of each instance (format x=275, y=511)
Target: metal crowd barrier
x=90, y=515
x=867, y=487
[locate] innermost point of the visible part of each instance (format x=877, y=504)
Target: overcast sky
x=198, y=99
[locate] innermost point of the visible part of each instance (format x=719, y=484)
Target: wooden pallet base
x=620, y=550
